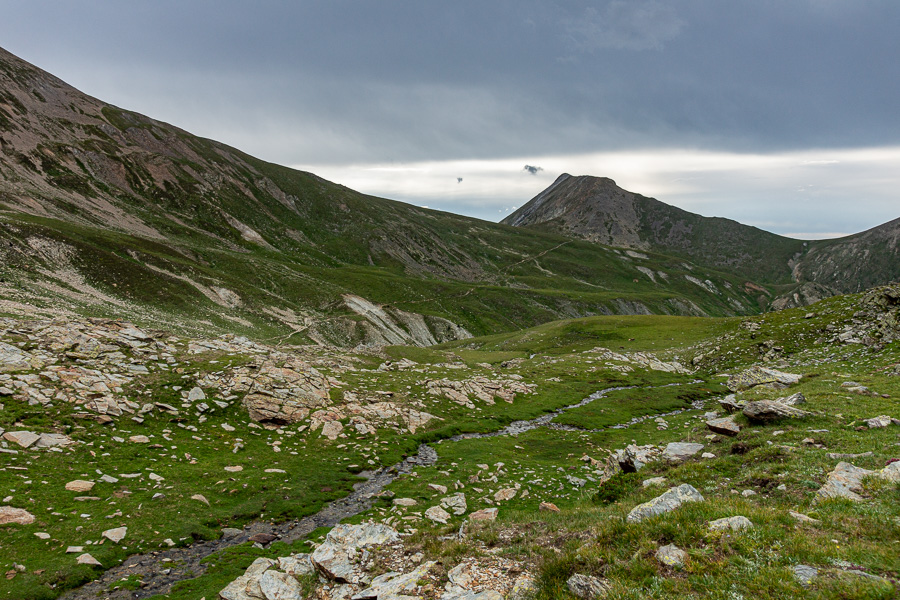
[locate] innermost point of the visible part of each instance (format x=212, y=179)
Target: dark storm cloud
x=336, y=82
x=409, y=80
x=532, y=169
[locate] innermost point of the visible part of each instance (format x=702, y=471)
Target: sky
x=781, y=114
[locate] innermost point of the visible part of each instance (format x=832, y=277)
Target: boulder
x=23, y=438
x=79, y=485
x=633, y=458
x=681, y=451
x=724, y=426
x=53, y=440
x=793, y=400
x=765, y=411
x=667, y=502
x=845, y=481
x=755, y=376
x=455, y=503
x=587, y=587
x=10, y=515
x=274, y=585
x=731, y=403
x=505, y=494
x=115, y=535
x=881, y=421
x=671, y=556
x=736, y=523
x=437, y=514
x=485, y=514
x=335, y=558
x=237, y=589
x=394, y=585
x=87, y=559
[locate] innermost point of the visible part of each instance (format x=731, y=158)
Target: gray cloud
x=624, y=25
x=531, y=169
x=329, y=82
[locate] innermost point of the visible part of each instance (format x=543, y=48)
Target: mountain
x=596, y=209
x=107, y=212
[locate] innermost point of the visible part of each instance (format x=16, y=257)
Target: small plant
x=618, y=486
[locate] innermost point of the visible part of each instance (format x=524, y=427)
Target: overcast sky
x=783, y=114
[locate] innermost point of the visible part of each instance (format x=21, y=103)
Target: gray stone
x=681, y=451
x=115, y=535
x=736, y=523
x=793, y=400
x=237, y=589
x=485, y=514
x=23, y=438
x=79, y=485
x=587, y=587
x=53, y=440
x=296, y=564
x=653, y=481
x=879, y=422
x=755, y=376
x=279, y=586
x=437, y=514
x=17, y=516
x=804, y=574
x=196, y=394
x=633, y=458
x=731, y=403
x=845, y=481
x=392, y=585
x=335, y=557
x=455, y=503
x=671, y=556
x=667, y=502
x=724, y=426
x=87, y=559
x=768, y=410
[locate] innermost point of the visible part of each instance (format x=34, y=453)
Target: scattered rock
x=804, y=518
x=736, y=523
x=394, y=585
x=335, y=557
x=731, y=403
x=87, y=559
x=671, y=556
x=80, y=485
x=237, y=589
x=505, y=494
x=681, y=451
x=200, y=498
x=53, y=440
x=804, y=574
x=115, y=535
x=667, y=502
x=455, y=503
x=405, y=502
x=22, y=438
x=845, y=481
x=263, y=538
x=274, y=585
x=485, y=514
x=881, y=421
x=10, y=515
x=437, y=514
x=654, y=481
x=755, y=376
x=633, y=458
x=441, y=489
x=139, y=439
x=793, y=400
x=724, y=426
x=587, y=587
x=548, y=507
x=768, y=410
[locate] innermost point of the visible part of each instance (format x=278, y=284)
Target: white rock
x=115, y=535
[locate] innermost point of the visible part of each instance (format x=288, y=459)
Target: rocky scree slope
x=596, y=209
x=110, y=212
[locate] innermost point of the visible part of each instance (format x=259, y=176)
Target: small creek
x=160, y=570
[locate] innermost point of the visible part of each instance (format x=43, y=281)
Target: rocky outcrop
x=667, y=502
x=482, y=389
x=846, y=481
x=756, y=376
x=764, y=411
x=338, y=557
x=390, y=326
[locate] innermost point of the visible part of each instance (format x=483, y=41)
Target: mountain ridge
x=110, y=212
x=598, y=210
